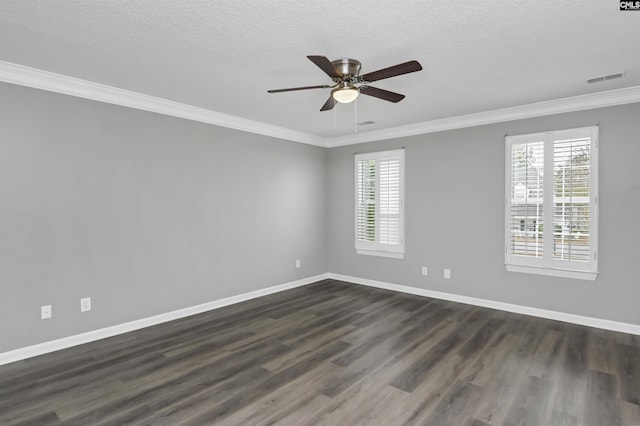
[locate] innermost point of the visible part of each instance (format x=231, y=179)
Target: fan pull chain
x=355, y=116
x=334, y=120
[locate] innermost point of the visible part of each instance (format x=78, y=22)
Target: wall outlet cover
x=447, y=274
x=85, y=304
x=424, y=270
x=45, y=311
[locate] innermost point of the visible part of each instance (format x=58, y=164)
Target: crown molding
x=557, y=106
x=52, y=82
x=58, y=83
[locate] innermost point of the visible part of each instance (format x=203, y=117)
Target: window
x=552, y=203
x=379, y=210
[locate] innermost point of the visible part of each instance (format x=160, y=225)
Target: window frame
x=377, y=248
x=547, y=264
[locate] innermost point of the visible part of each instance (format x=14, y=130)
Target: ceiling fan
x=345, y=73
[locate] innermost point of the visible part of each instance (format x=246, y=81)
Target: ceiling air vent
x=605, y=78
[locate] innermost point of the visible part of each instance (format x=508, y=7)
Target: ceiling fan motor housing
x=348, y=67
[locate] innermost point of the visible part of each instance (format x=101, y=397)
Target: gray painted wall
x=144, y=213
x=147, y=214
x=455, y=217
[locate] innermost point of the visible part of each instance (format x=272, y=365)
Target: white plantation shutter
x=527, y=199
x=366, y=200
x=571, y=199
x=390, y=201
x=557, y=170
x=379, y=206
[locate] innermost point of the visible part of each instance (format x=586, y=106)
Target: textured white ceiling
x=224, y=54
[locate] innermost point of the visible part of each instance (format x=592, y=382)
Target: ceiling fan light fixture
x=345, y=93
x=345, y=73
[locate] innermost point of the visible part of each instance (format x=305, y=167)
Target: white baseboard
x=518, y=309
x=90, y=336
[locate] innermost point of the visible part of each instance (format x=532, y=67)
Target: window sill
x=390, y=254
x=563, y=273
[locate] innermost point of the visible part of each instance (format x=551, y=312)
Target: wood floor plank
x=360, y=393
x=629, y=414
x=299, y=351
x=335, y=353
x=278, y=406
x=367, y=407
x=410, y=378
x=258, y=390
x=602, y=405
x=457, y=405
x=570, y=377
x=43, y=418
x=599, y=356
x=629, y=372
x=502, y=386
x=549, y=353
x=528, y=406
x=422, y=402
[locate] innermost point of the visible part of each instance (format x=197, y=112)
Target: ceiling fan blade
x=405, y=68
x=325, y=65
x=329, y=104
x=381, y=93
x=291, y=89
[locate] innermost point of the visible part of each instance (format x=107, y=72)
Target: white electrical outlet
x=85, y=304
x=298, y=263
x=447, y=274
x=424, y=270
x=45, y=311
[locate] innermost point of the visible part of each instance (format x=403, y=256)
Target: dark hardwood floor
x=333, y=353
